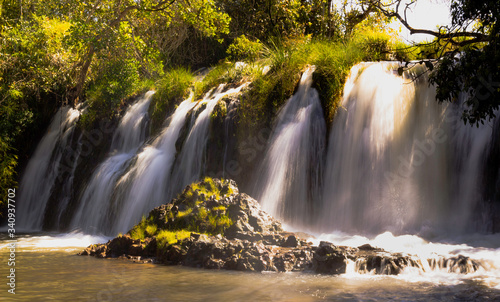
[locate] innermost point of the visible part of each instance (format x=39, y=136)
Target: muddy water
x=48, y=269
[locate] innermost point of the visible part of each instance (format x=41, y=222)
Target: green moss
x=219, y=112
x=151, y=229
x=146, y=228
x=165, y=237
x=218, y=223
x=202, y=214
x=182, y=214
x=207, y=187
x=196, y=217
x=219, y=208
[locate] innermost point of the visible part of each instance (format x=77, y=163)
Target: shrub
x=243, y=49
x=171, y=89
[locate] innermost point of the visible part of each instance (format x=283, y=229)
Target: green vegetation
x=196, y=216
x=171, y=89
x=244, y=49
x=207, y=188
x=165, y=238
x=146, y=228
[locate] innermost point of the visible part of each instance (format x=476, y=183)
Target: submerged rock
x=211, y=225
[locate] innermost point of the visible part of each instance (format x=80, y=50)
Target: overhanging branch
x=451, y=36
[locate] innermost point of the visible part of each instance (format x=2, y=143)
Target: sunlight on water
x=68, y=241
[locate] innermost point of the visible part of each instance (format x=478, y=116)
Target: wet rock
x=121, y=245
x=291, y=241
x=329, y=259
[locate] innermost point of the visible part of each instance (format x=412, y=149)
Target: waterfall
x=289, y=180
x=146, y=184
x=191, y=158
x=95, y=212
x=153, y=179
x=42, y=170
x=398, y=160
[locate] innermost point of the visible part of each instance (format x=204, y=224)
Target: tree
x=468, y=51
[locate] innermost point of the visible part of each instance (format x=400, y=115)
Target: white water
x=483, y=248
x=42, y=170
x=95, y=212
x=146, y=184
x=399, y=161
x=290, y=176
x=151, y=181
x=191, y=160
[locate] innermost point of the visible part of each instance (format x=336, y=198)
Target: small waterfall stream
x=40, y=175
x=147, y=183
x=191, y=157
x=290, y=177
x=94, y=212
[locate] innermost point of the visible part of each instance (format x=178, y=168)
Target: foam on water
x=42, y=242
x=483, y=248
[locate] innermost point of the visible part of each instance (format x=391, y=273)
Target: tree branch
x=477, y=37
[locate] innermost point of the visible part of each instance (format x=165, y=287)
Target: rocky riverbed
x=211, y=225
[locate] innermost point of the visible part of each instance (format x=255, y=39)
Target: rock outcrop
x=211, y=225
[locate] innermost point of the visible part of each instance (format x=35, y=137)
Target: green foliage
x=219, y=112
x=34, y=75
x=116, y=80
x=243, y=49
x=165, y=237
x=170, y=90
x=267, y=18
x=476, y=70
x=146, y=228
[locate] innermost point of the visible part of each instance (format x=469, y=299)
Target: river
x=48, y=269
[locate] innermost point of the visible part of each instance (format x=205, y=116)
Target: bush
x=171, y=89
x=115, y=80
x=243, y=49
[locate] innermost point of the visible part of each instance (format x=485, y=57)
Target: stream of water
x=48, y=269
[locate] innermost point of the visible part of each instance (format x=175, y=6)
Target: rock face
x=211, y=225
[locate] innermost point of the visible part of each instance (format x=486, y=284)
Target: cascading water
x=153, y=180
x=291, y=173
x=95, y=212
x=42, y=170
x=146, y=184
x=191, y=158
x=398, y=160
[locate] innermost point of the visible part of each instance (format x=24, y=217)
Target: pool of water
x=48, y=269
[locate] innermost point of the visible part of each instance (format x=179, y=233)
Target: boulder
x=211, y=225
